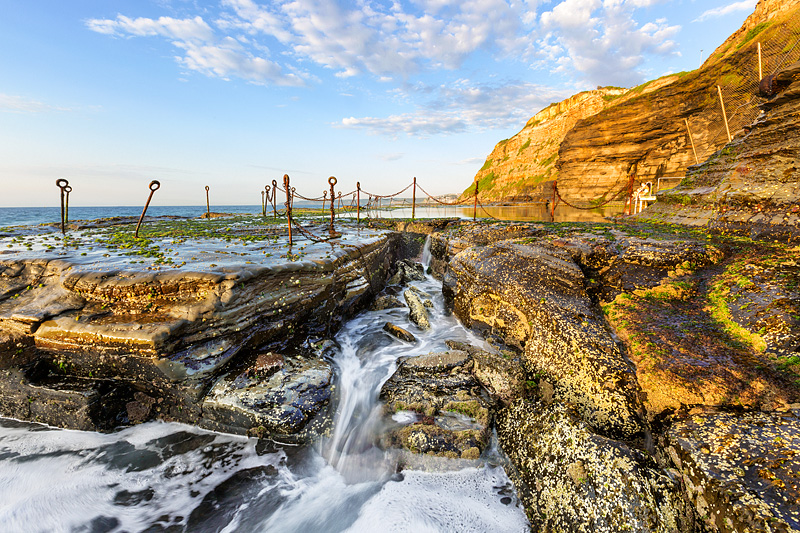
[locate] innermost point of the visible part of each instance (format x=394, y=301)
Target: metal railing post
x=358, y=201
x=208, y=204
x=475, y=203
x=62, y=184
x=332, y=182
x=154, y=186
x=274, y=198
x=691, y=140
x=288, y=205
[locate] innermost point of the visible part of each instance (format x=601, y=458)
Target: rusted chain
x=603, y=204
x=439, y=201
x=154, y=186
x=389, y=195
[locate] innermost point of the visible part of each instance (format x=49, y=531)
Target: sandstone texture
x=600, y=145
x=622, y=334
x=105, y=341
x=752, y=186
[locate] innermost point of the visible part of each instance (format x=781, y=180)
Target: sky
x=111, y=94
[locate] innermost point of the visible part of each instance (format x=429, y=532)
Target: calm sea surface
x=24, y=216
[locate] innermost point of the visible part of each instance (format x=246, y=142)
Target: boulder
x=417, y=312
x=435, y=407
x=571, y=479
x=400, y=333
x=533, y=296
x=280, y=404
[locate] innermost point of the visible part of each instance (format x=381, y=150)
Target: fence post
x=67, y=189
x=62, y=184
x=414, y=200
x=154, y=186
x=208, y=204
x=288, y=205
x=263, y=204
x=475, y=203
x=691, y=140
x=724, y=115
x=274, y=198
x=760, y=74
x=358, y=201
x=553, y=204
x=332, y=181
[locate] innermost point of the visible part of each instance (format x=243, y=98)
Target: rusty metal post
x=332, y=182
x=414, y=200
x=724, y=115
x=288, y=205
x=67, y=189
x=62, y=184
x=475, y=203
x=324, y=199
x=553, y=205
x=154, y=186
x=208, y=204
x=358, y=201
x=274, y=197
x=691, y=139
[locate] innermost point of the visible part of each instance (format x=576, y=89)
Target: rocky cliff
x=606, y=142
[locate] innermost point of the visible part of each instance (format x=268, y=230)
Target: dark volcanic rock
x=280, y=405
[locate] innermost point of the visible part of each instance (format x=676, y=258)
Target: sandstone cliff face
x=598, y=145
x=753, y=184
x=517, y=167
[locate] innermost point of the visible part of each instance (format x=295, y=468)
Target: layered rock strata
x=752, y=186
x=167, y=336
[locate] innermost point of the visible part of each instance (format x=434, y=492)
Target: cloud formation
x=744, y=5
x=463, y=107
x=296, y=42
x=601, y=40
x=10, y=103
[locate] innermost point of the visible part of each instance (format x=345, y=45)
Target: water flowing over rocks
x=450, y=416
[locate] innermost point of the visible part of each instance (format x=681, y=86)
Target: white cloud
x=10, y=103
x=744, y=5
x=203, y=51
x=464, y=107
x=602, y=41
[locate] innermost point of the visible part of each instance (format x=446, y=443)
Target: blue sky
x=110, y=94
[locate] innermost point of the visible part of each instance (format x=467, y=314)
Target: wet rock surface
x=740, y=471
x=278, y=401
x=439, y=404
x=571, y=479
x=533, y=296
x=168, y=330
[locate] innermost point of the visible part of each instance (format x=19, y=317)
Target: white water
x=160, y=476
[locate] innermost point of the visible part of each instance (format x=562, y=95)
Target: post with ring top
x=67, y=189
x=288, y=205
x=332, y=182
x=274, y=198
x=208, y=204
x=263, y=204
x=154, y=185
x=62, y=184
